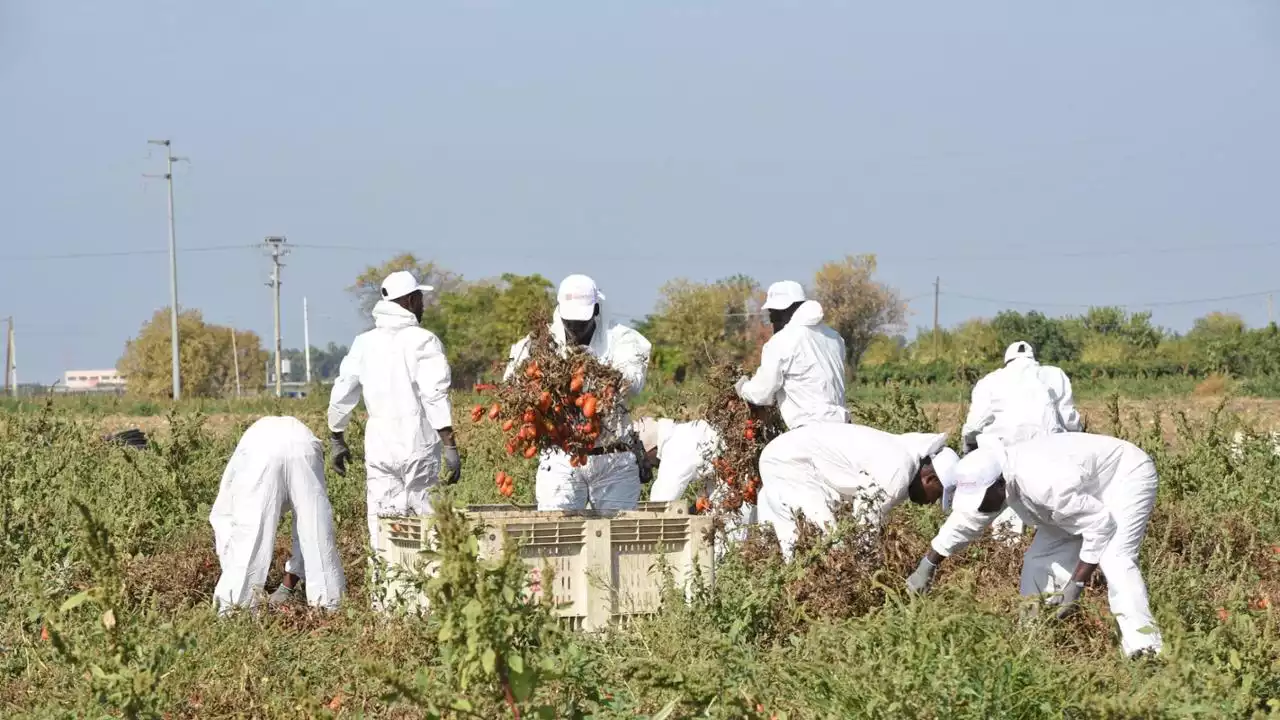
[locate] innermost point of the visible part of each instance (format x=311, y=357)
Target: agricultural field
x=109, y=571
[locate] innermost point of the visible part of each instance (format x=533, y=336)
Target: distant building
x=92, y=380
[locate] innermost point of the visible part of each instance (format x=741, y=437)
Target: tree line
x=696, y=325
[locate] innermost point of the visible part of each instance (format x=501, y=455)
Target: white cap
x=783, y=295
x=970, y=480
x=647, y=430
x=577, y=298
x=944, y=464
x=1020, y=349
x=401, y=283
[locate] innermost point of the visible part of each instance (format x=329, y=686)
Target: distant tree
x=697, y=325
x=368, y=283
x=324, y=362
x=478, y=322
x=204, y=356
x=1049, y=336
x=855, y=304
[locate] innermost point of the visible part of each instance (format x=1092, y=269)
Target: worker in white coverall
x=278, y=464
x=1090, y=498
x=1020, y=401
x=400, y=369
x=815, y=467
x=802, y=366
x=610, y=480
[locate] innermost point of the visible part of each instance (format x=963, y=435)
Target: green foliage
x=324, y=362
x=368, y=284
x=697, y=325
x=204, y=355
x=478, y=322
x=828, y=636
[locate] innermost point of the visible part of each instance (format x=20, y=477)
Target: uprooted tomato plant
x=744, y=431
x=557, y=399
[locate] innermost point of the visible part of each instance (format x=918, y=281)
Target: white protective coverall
x=801, y=371
x=277, y=464
x=610, y=481
x=1090, y=498
x=401, y=370
x=1018, y=402
x=685, y=453
x=814, y=467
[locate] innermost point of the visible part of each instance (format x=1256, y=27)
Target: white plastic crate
x=606, y=566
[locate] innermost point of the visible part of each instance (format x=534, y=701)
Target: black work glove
x=339, y=453
x=452, y=463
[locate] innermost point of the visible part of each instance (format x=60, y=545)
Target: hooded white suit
x=1020, y=401
x=1090, y=498
x=815, y=467
x=801, y=371
x=277, y=464
x=401, y=369
x=609, y=481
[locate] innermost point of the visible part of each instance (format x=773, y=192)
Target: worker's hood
x=1022, y=363
x=923, y=445
x=808, y=314
x=387, y=314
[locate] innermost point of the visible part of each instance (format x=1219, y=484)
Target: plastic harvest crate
x=606, y=566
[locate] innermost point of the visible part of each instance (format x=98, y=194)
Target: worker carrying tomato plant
x=802, y=366
x=564, y=400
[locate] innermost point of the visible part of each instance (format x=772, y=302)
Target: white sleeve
x=346, y=390
x=431, y=378
x=960, y=529
x=980, y=411
x=1079, y=514
x=1066, y=403
x=679, y=466
x=518, y=353
x=631, y=358
x=763, y=387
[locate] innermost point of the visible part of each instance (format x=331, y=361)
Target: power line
x=1158, y=303
x=121, y=253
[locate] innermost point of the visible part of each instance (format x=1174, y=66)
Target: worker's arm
x=1077, y=513
x=959, y=529
x=763, y=387
x=346, y=390
x=980, y=415
x=680, y=464
x=519, y=352
x=630, y=357
x=431, y=378
x=1065, y=401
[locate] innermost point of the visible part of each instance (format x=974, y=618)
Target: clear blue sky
x=636, y=142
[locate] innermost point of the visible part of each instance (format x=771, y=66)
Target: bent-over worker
x=277, y=464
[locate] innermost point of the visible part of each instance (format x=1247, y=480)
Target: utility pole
x=170, y=159
x=10, y=362
x=1270, y=311
x=275, y=245
x=235, y=360
x=937, y=289
x=306, y=339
